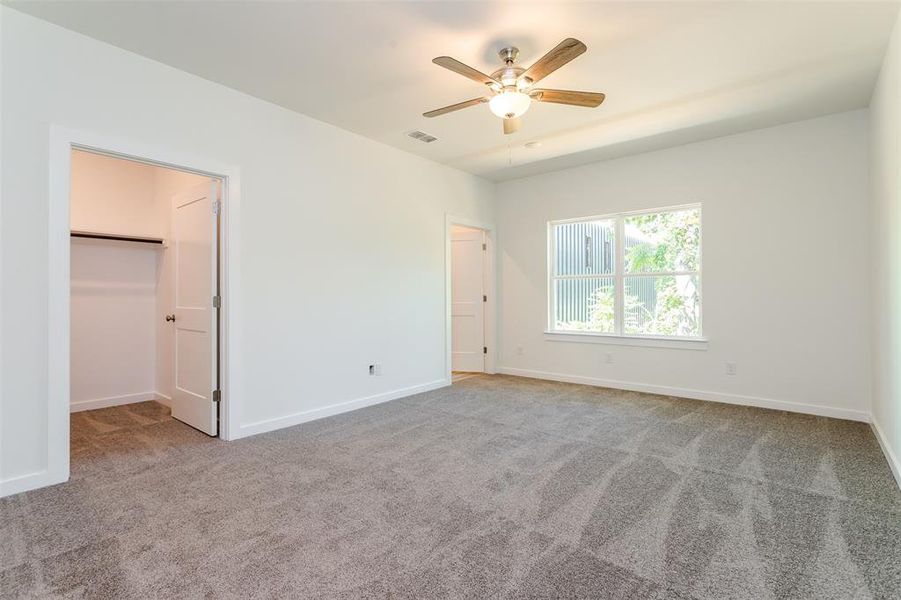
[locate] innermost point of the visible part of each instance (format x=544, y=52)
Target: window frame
x=619, y=277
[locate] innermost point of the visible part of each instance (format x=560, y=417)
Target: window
x=634, y=274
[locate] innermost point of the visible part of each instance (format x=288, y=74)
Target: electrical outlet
x=608, y=358
x=519, y=350
x=375, y=369
x=730, y=368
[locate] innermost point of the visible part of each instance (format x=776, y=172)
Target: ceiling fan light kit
x=510, y=104
x=511, y=86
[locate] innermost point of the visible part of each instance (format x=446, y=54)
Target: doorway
x=470, y=299
x=145, y=271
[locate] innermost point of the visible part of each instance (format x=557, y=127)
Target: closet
x=123, y=270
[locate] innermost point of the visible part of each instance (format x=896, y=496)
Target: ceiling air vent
x=422, y=136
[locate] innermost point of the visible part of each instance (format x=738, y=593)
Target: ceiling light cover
x=510, y=104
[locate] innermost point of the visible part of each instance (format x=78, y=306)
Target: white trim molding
x=95, y=403
x=62, y=141
x=336, y=409
x=893, y=462
x=27, y=482
x=646, y=341
x=725, y=398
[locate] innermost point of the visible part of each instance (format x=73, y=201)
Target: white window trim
x=612, y=339
x=618, y=336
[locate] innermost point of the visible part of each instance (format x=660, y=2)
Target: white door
x=467, y=300
x=195, y=224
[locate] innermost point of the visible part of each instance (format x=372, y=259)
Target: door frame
x=62, y=142
x=488, y=273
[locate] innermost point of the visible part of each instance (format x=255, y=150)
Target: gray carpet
x=498, y=487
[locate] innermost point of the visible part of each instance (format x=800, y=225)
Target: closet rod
x=111, y=236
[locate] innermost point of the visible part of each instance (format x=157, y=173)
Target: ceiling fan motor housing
x=510, y=79
x=510, y=76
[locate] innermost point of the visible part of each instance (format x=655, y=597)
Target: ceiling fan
x=511, y=86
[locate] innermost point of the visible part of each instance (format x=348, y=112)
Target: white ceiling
x=673, y=72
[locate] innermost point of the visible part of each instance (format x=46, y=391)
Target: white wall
x=886, y=274
x=114, y=196
x=113, y=333
x=785, y=283
x=342, y=238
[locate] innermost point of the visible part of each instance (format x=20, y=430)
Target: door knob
x=170, y=317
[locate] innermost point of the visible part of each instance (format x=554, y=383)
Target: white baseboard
x=163, y=399
x=30, y=481
x=335, y=409
x=798, y=407
x=112, y=401
x=893, y=461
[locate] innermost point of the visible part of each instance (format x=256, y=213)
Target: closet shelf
x=93, y=235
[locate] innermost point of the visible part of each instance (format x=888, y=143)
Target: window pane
x=584, y=248
x=584, y=304
x=665, y=241
x=662, y=305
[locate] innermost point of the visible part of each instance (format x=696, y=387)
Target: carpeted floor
x=495, y=487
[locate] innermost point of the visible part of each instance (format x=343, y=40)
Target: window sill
x=626, y=340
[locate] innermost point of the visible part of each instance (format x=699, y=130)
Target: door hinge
x=217, y=301
x=484, y=298
x=217, y=207
x=484, y=246
x=484, y=349
x=217, y=395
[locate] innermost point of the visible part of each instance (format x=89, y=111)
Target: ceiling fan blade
x=564, y=52
x=465, y=70
x=511, y=125
x=443, y=111
x=587, y=99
